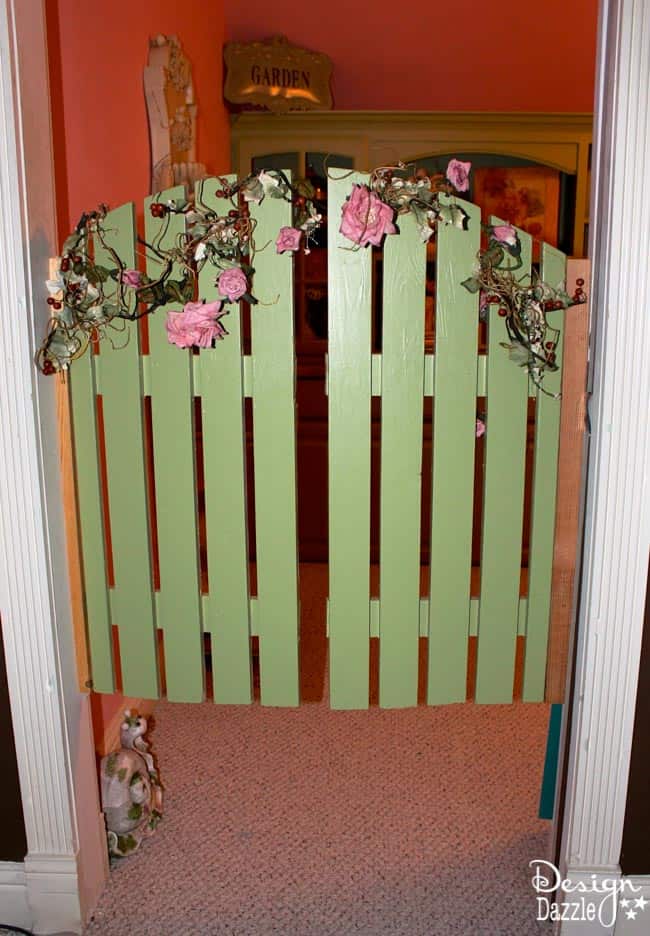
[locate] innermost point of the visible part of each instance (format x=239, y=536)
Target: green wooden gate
x=138, y=467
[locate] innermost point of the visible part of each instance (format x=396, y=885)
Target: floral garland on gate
x=90, y=301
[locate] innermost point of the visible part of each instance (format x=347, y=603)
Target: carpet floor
x=311, y=822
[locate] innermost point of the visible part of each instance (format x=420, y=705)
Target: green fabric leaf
x=135, y=811
x=472, y=284
x=121, y=774
x=111, y=760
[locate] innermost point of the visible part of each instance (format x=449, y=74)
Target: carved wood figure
x=171, y=110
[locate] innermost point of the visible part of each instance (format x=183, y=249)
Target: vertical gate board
x=507, y=405
x=91, y=527
x=567, y=519
x=454, y=443
x=274, y=458
x=402, y=401
x=178, y=602
x=349, y=397
x=222, y=405
x=121, y=388
x=547, y=444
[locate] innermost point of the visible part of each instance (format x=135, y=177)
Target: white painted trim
x=66, y=862
x=14, y=907
x=617, y=528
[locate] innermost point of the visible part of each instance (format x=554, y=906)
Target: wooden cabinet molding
x=376, y=138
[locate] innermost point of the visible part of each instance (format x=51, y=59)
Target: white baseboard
x=53, y=894
x=14, y=907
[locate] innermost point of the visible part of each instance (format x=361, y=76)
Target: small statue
x=131, y=791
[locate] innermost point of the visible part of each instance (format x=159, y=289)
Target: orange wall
x=97, y=53
x=428, y=55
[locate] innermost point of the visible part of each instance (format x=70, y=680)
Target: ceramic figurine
x=130, y=789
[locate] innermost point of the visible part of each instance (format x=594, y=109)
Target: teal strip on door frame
x=172, y=406
x=274, y=448
x=131, y=598
x=226, y=608
x=545, y=472
x=402, y=401
x=503, y=504
x=349, y=398
x=454, y=444
x=83, y=396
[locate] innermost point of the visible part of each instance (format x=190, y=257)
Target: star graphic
x=625, y=902
x=631, y=914
x=640, y=902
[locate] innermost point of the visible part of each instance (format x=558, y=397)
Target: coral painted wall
x=463, y=55
x=97, y=53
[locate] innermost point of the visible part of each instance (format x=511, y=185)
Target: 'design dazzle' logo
x=583, y=901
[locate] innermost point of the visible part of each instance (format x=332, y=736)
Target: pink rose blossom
x=366, y=218
x=458, y=174
x=288, y=239
x=132, y=278
x=480, y=428
x=505, y=234
x=196, y=325
x=233, y=284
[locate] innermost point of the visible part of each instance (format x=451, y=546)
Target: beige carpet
x=309, y=822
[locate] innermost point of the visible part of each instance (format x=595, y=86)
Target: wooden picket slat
x=505, y=459
x=274, y=451
x=91, y=527
x=454, y=442
x=542, y=534
x=573, y=429
x=349, y=397
x=132, y=608
x=224, y=457
x=178, y=604
x=402, y=368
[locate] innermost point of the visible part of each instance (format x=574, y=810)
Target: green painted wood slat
x=274, y=455
x=545, y=471
x=132, y=606
x=505, y=458
x=91, y=528
x=226, y=607
x=402, y=401
x=454, y=443
x=172, y=405
x=349, y=398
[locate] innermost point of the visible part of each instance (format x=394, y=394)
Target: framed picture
x=526, y=196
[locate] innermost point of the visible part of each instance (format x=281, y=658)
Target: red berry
x=551, y=358
x=78, y=258
x=58, y=305
x=220, y=193
x=503, y=312
x=233, y=213
x=580, y=282
x=48, y=368
x=550, y=345
x=65, y=265
x=300, y=201
x=50, y=300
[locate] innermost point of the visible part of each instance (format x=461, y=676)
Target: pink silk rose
x=458, y=174
x=132, y=278
x=196, y=325
x=288, y=239
x=233, y=284
x=366, y=218
x=480, y=428
x=505, y=234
